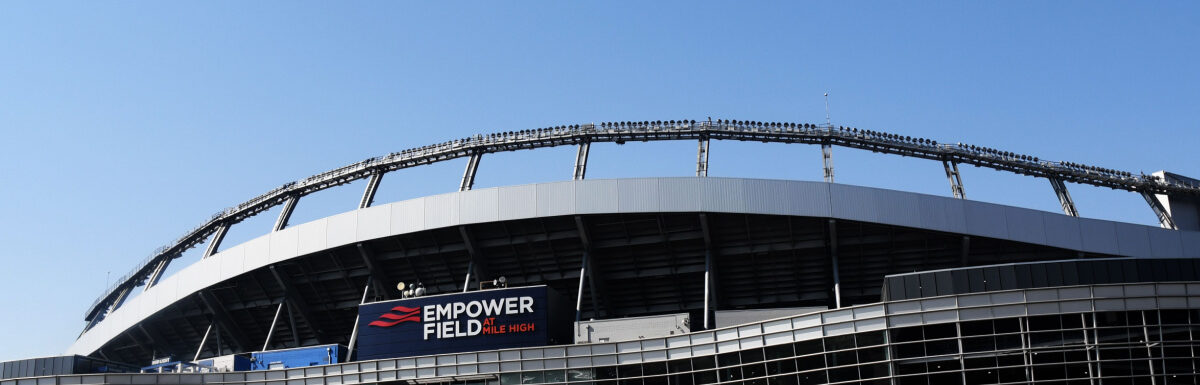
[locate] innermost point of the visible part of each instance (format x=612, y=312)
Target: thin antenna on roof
x=828, y=122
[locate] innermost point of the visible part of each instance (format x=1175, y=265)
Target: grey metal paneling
x=787, y=198
x=441, y=210
x=596, y=196
x=874, y=205
x=1191, y=243
x=941, y=214
x=1025, y=225
x=1098, y=236
x=637, y=195
x=479, y=206
x=517, y=202
x=1132, y=240
x=556, y=198
x=680, y=194
x=722, y=195
x=408, y=216
x=985, y=219
x=1165, y=243
x=374, y=222
x=1062, y=231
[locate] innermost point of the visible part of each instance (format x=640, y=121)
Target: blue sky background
x=124, y=124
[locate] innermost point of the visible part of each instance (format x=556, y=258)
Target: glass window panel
x=1072, y=321
x=976, y=328
x=808, y=347
x=682, y=379
x=1086, y=273
x=729, y=374
x=895, y=288
x=843, y=374
x=656, y=380
x=979, y=362
x=1044, y=322
x=910, y=350
x=978, y=344
x=1014, y=374
x=872, y=354
x=534, y=377
x=781, y=366
x=874, y=370
x=779, y=351
x=654, y=368
x=1038, y=273
x=633, y=370
x=810, y=362
x=848, y=357
x=928, y=284
x=976, y=278
x=991, y=279
x=869, y=338
x=789, y=379
x=1070, y=274
x=754, y=370
x=944, y=364
x=940, y=331
x=913, y=380
x=1024, y=276
x=985, y=376
x=962, y=284
x=911, y=367
x=814, y=377
x=752, y=355
x=945, y=283
x=554, y=376
x=728, y=359
x=510, y=378
x=839, y=342
x=934, y=348
x=584, y=374
x=678, y=366
x=606, y=372
x=912, y=286
x=945, y=379
x=704, y=377
x=705, y=362
x=1054, y=274
x=630, y=381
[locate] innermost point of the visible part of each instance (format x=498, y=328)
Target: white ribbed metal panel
x=596, y=196
x=637, y=195
x=231, y=265
x=407, y=216
x=874, y=205
x=556, y=199
x=517, y=202
x=479, y=206
x=679, y=194
x=312, y=236
x=441, y=211
x=283, y=244
x=723, y=195
x=374, y=222
x=342, y=229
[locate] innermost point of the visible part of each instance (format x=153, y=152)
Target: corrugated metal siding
x=1132, y=240
x=441, y=210
x=1025, y=225
x=556, y=198
x=938, y=213
x=1098, y=236
x=312, y=236
x=1165, y=243
x=408, y=216
x=596, y=196
x=636, y=195
x=985, y=220
x=517, y=202
x=374, y=222
x=680, y=194
x=722, y=195
x=1062, y=231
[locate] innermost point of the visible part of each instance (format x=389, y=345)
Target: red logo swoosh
x=389, y=319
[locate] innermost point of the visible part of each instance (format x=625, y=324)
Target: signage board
x=460, y=322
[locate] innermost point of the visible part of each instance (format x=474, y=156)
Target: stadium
x=664, y=281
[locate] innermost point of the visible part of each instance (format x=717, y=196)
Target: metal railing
x=621, y=132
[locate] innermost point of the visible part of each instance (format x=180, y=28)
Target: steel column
x=476, y=265
x=354, y=331
x=583, y=271
x=710, y=275
x=286, y=213
x=468, y=179
x=1064, y=197
x=581, y=157
x=203, y=340
x=1160, y=211
x=294, y=300
x=956, y=185
x=158, y=271
x=274, y=321
x=702, y=158
x=215, y=242
x=368, y=196
x=223, y=318
x=827, y=160
x=292, y=324
x=595, y=286
x=379, y=277
x=837, y=282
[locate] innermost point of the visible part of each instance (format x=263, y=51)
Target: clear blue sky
x=124, y=124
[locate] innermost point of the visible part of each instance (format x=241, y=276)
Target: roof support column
x=1064, y=197
x=833, y=255
x=1160, y=211
x=203, y=340
x=827, y=160
x=594, y=286
x=286, y=213
x=294, y=300
x=354, y=331
x=215, y=242
x=292, y=323
x=956, y=185
x=710, y=276
x=222, y=318
x=120, y=299
x=581, y=157
x=475, y=266
x=158, y=271
x=468, y=179
x=379, y=278
x=702, y=157
x=583, y=272
x=369, y=193
x=274, y=321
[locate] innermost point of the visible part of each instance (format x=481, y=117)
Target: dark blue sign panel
x=477, y=320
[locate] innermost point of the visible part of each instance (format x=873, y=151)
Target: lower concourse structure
x=667, y=281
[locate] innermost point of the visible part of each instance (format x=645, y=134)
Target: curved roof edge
x=643, y=195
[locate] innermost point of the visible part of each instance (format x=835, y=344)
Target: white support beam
x=1160, y=211
x=368, y=196
x=1064, y=197
x=833, y=253
x=157, y=273
x=354, y=331
x=286, y=213
x=215, y=241
x=827, y=160
x=274, y=321
x=956, y=185
x=468, y=179
x=581, y=157
x=203, y=340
